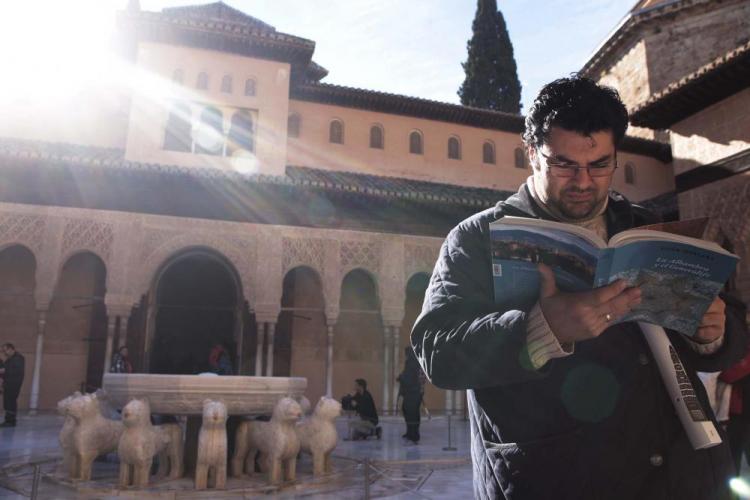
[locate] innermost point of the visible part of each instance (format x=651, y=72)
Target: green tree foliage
x=491, y=75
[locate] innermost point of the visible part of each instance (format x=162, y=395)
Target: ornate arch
x=237, y=253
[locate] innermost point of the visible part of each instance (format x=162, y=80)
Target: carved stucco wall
x=135, y=247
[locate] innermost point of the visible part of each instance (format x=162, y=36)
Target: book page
x=678, y=281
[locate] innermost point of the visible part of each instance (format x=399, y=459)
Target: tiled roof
x=395, y=187
x=710, y=84
x=217, y=11
x=216, y=27
x=305, y=177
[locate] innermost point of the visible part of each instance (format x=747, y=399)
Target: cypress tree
x=491, y=75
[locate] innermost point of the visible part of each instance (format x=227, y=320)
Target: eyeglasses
x=563, y=169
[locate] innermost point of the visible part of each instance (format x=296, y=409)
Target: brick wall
x=714, y=133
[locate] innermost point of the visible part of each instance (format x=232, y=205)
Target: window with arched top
x=226, y=84
x=178, y=76
x=488, y=153
x=241, y=132
x=415, y=143
x=454, y=148
x=520, y=158
x=177, y=133
x=629, y=173
x=293, y=125
x=376, y=137
x=336, y=132
x=209, y=138
x=250, y=87
x=202, y=82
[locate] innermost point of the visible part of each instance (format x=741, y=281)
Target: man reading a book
x=563, y=402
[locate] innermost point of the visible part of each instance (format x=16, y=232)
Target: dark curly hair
x=577, y=104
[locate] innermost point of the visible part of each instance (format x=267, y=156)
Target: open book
x=679, y=276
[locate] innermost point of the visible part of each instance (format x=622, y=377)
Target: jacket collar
x=619, y=211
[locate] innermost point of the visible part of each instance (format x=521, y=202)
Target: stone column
x=448, y=402
x=387, y=369
x=269, y=349
x=239, y=339
x=396, y=366
x=458, y=402
x=122, y=332
x=40, y=324
x=329, y=362
x=111, y=324
x=261, y=328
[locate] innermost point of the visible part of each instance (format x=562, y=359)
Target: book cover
x=678, y=278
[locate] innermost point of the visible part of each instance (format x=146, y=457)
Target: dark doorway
x=196, y=303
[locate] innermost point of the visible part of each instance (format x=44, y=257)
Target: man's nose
x=583, y=177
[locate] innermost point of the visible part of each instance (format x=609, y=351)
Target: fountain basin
x=184, y=394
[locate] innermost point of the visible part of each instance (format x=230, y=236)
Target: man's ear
x=533, y=158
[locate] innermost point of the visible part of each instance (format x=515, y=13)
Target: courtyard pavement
x=397, y=470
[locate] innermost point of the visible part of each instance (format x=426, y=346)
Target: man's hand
x=583, y=315
x=712, y=324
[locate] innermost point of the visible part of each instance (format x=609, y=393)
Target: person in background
x=12, y=373
x=121, y=362
x=410, y=389
x=363, y=405
x=219, y=360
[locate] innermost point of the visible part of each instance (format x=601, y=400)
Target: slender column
x=122, y=331
x=448, y=402
x=459, y=402
x=239, y=339
x=111, y=324
x=396, y=366
x=261, y=328
x=329, y=363
x=387, y=343
x=41, y=322
x=269, y=349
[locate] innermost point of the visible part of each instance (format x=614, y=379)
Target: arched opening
x=197, y=303
x=358, y=337
x=415, y=143
x=629, y=173
x=376, y=137
x=519, y=158
x=241, y=133
x=488, y=153
x=250, y=87
x=434, y=398
x=336, y=132
x=202, y=81
x=226, y=84
x=301, y=334
x=293, y=125
x=210, y=135
x=177, y=133
x=76, y=330
x=454, y=148
x=17, y=308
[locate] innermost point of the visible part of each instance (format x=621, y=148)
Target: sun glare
x=50, y=49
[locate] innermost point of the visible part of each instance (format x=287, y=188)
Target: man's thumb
x=548, y=287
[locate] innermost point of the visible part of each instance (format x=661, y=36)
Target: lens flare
x=740, y=487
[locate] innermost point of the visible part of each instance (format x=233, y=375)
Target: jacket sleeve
x=462, y=339
x=735, y=341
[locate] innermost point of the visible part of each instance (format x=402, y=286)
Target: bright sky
x=412, y=47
